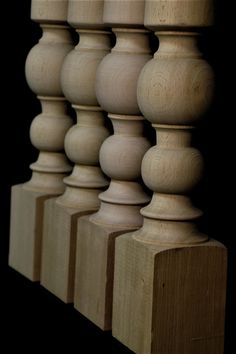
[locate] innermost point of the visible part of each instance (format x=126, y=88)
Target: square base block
x=169, y=299
x=58, y=250
x=26, y=231
x=95, y=270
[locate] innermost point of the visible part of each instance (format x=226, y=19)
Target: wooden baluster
x=82, y=145
x=120, y=158
x=170, y=279
x=43, y=67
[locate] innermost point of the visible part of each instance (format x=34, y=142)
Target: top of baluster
x=124, y=13
x=171, y=14
x=47, y=11
x=86, y=13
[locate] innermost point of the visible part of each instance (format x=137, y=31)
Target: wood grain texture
x=94, y=271
x=58, y=249
x=181, y=79
x=169, y=299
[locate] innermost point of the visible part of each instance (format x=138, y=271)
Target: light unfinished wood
x=184, y=95
x=95, y=269
x=86, y=13
x=82, y=144
x=118, y=213
x=170, y=280
x=179, y=13
x=26, y=237
x=171, y=169
x=49, y=11
x=120, y=158
x=47, y=132
x=128, y=13
x=169, y=298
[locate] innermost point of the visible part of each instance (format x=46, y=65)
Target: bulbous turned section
x=120, y=158
x=83, y=140
x=44, y=61
x=80, y=66
x=172, y=166
x=178, y=13
x=117, y=75
x=177, y=86
x=47, y=134
x=48, y=129
x=171, y=169
x=82, y=144
x=121, y=154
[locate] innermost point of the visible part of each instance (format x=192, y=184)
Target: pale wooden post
x=170, y=279
x=47, y=132
x=82, y=144
x=120, y=158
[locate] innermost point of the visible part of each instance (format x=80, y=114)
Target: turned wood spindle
x=170, y=279
x=82, y=144
x=47, y=132
x=120, y=157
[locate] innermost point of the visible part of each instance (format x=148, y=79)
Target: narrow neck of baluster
x=55, y=34
x=127, y=125
x=89, y=115
x=177, y=44
x=53, y=105
x=93, y=40
x=131, y=41
x=173, y=136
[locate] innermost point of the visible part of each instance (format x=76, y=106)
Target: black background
x=31, y=318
